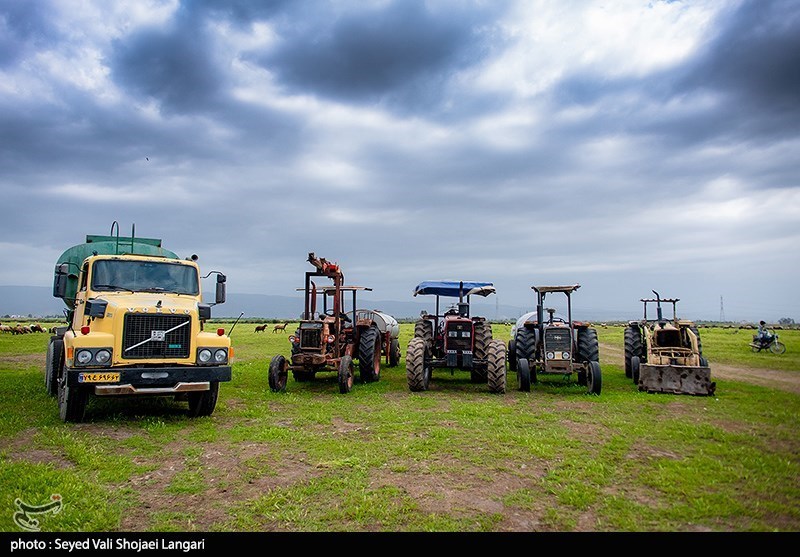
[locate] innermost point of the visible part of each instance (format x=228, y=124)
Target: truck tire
x=278, y=373
x=346, y=374
x=588, y=345
x=496, y=368
x=394, y=352
x=202, y=403
x=526, y=343
x=369, y=355
x=53, y=363
x=424, y=329
x=511, y=354
x=71, y=400
x=418, y=373
x=633, y=346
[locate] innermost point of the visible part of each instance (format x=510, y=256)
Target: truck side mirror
x=220, y=295
x=60, y=280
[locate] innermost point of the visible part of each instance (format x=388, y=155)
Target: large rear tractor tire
x=588, y=345
x=394, y=352
x=424, y=329
x=633, y=346
x=511, y=355
x=496, y=367
x=418, y=372
x=369, y=355
x=526, y=343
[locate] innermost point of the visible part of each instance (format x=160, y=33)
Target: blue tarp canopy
x=453, y=288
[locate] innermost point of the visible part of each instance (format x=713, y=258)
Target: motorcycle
x=770, y=343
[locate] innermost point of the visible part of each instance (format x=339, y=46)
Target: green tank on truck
x=135, y=326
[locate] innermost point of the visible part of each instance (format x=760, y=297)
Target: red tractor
x=330, y=340
x=455, y=340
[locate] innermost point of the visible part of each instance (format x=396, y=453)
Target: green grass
x=381, y=458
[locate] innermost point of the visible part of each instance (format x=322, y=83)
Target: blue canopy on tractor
x=454, y=288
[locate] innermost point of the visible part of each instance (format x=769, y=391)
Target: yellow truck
x=136, y=326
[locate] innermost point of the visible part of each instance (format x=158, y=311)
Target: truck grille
x=141, y=327
x=557, y=339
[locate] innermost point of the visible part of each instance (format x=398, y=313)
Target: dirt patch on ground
x=776, y=379
x=21, y=448
x=22, y=360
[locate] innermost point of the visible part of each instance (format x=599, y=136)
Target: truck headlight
x=83, y=357
x=204, y=355
x=102, y=357
x=221, y=356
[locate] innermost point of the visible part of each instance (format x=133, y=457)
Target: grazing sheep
x=279, y=327
x=261, y=328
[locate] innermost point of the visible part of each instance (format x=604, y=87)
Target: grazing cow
x=279, y=327
x=261, y=328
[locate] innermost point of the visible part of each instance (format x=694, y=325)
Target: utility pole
x=721, y=311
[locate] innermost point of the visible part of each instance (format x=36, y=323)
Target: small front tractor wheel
x=346, y=374
x=278, y=373
x=511, y=355
x=496, y=367
x=635, y=369
x=594, y=379
x=369, y=355
x=394, y=353
x=418, y=372
x=202, y=403
x=523, y=375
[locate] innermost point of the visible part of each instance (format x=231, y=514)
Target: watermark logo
x=25, y=512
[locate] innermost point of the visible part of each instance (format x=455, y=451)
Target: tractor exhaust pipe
x=658, y=307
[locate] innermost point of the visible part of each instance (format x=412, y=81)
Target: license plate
x=104, y=377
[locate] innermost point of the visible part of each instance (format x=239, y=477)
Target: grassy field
x=381, y=458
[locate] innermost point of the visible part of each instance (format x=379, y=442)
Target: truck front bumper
x=165, y=380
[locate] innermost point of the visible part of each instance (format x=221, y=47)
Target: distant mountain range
x=38, y=301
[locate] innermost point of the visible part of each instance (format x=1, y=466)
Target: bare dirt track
x=778, y=379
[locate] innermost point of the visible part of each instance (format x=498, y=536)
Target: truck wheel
x=278, y=373
x=424, y=329
x=202, y=403
x=635, y=369
x=346, y=376
x=55, y=354
x=633, y=346
x=71, y=400
x=594, y=378
x=369, y=355
x=418, y=372
x=496, y=369
x=394, y=353
x=511, y=355
x=523, y=375
x=525, y=343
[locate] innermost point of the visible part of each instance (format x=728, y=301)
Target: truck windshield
x=144, y=276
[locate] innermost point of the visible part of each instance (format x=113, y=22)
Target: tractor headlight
x=565, y=355
x=550, y=355
x=83, y=357
x=204, y=355
x=221, y=356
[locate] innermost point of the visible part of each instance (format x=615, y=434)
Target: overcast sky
x=626, y=146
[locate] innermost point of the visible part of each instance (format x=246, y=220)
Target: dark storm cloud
x=404, y=52
x=172, y=65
